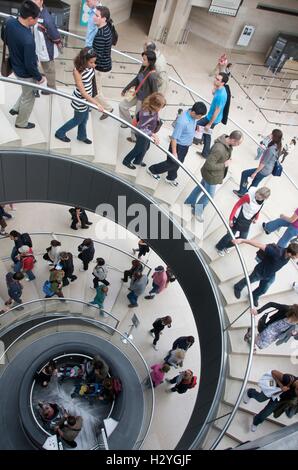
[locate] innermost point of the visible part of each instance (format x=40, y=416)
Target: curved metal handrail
x=177, y=82
x=94, y=241
x=192, y=177
x=99, y=325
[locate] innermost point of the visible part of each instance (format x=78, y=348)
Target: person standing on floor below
x=91, y=27
x=287, y=150
x=100, y=273
x=182, y=382
x=52, y=254
x=284, y=221
x=66, y=263
x=266, y=166
x=160, y=282
x=181, y=140
x=102, y=46
x=250, y=207
x=287, y=399
x=48, y=42
x=158, y=326
x=216, y=111
x=56, y=280
x=136, y=266
x=22, y=55
x=214, y=171
x=26, y=263
x=14, y=288
x=86, y=254
x=144, y=84
x=158, y=372
x=101, y=293
x=148, y=122
x=83, y=75
x=142, y=250
x=138, y=286
x=79, y=216
x=273, y=258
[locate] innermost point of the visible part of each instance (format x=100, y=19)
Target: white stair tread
x=105, y=135
x=8, y=133
x=240, y=346
x=261, y=364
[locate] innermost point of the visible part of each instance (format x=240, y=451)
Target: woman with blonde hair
x=147, y=121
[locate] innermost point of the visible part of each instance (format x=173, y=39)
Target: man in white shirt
x=161, y=67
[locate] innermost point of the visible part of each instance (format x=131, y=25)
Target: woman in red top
x=27, y=262
x=251, y=205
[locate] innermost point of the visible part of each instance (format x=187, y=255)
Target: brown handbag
x=6, y=68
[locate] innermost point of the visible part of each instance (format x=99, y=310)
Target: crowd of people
x=145, y=94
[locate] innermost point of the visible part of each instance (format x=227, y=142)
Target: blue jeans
x=13, y=255
x=199, y=205
x=206, y=137
x=269, y=408
x=133, y=298
x=137, y=154
x=290, y=233
x=244, y=177
x=255, y=277
x=241, y=225
x=80, y=120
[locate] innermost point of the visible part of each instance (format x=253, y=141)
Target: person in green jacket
x=214, y=171
x=101, y=293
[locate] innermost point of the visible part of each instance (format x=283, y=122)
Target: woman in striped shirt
x=84, y=75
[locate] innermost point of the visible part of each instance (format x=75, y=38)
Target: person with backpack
x=79, y=216
x=26, y=262
x=100, y=273
x=286, y=399
x=14, y=288
x=19, y=240
x=148, y=122
x=284, y=320
x=102, y=46
x=244, y=213
x=23, y=60
x=56, y=281
x=158, y=326
x=271, y=258
x=182, y=382
x=266, y=166
x=183, y=342
x=144, y=84
x=87, y=252
x=66, y=263
x=48, y=43
x=291, y=222
x=136, y=266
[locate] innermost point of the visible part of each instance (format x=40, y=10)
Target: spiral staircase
x=107, y=151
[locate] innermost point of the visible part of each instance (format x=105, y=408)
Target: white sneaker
x=253, y=428
x=245, y=398
x=156, y=177
x=221, y=252
x=172, y=182
x=82, y=270
x=227, y=250
x=152, y=334
x=155, y=347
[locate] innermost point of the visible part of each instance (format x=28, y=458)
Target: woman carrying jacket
x=87, y=252
x=285, y=320
x=148, y=122
x=53, y=252
x=250, y=206
x=145, y=83
x=265, y=168
x=56, y=280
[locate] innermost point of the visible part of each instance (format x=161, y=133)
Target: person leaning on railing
x=84, y=75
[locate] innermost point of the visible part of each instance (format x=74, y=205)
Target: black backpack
x=26, y=239
x=115, y=35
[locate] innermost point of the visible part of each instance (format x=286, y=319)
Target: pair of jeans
x=206, y=137
x=156, y=334
x=199, y=205
x=290, y=233
x=30, y=275
x=137, y=154
x=255, y=276
x=14, y=254
x=169, y=165
x=79, y=120
x=244, y=177
x=155, y=289
x=241, y=225
x=133, y=298
x=269, y=408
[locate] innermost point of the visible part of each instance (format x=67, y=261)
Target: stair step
x=10, y=135
x=106, y=135
x=240, y=346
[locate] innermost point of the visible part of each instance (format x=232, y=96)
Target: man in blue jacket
x=23, y=60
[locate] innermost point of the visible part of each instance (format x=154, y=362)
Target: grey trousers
x=25, y=103
x=50, y=73
x=124, y=108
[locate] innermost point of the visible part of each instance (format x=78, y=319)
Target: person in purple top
x=147, y=122
x=284, y=221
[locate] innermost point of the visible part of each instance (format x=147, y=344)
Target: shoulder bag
x=132, y=92
x=6, y=68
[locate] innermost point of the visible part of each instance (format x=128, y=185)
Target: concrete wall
x=224, y=30
x=120, y=11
